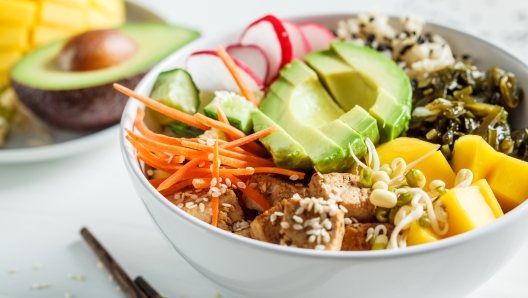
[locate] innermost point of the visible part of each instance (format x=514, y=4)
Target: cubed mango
x=420, y=235
x=43, y=34
x=20, y=12
x=467, y=210
x=70, y=17
x=13, y=37
x=473, y=153
x=74, y=3
x=8, y=58
x=410, y=149
x=114, y=7
x=97, y=19
x=509, y=181
x=489, y=196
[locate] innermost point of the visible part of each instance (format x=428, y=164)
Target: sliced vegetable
x=253, y=56
x=235, y=73
x=317, y=36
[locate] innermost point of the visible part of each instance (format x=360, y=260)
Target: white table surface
x=43, y=206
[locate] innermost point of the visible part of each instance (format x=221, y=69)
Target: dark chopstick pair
x=139, y=288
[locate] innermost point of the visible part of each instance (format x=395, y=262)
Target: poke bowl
x=244, y=267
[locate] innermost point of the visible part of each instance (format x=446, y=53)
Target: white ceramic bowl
x=244, y=267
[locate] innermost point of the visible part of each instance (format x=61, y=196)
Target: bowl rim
x=133, y=166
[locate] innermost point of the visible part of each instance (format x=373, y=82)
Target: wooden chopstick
x=138, y=289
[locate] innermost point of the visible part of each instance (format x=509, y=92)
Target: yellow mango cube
x=490, y=198
x=473, y=153
x=509, y=182
x=4, y=79
x=43, y=34
x=420, y=235
x=8, y=58
x=467, y=210
x=70, y=17
x=17, y=12
x=13, y=37
x=74, y=3
x=114, y=7
x=97, y=19
x=410, y=149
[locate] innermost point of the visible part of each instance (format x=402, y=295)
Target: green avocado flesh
x=155, y=40
x=357, y=75
x=359, y=120
x=238, y=112
x=286, y=152
x=302, y=107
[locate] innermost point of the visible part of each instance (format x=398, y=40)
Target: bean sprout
x=398, y=167
x=373, y=155
x=463, y=178
x=364, y=166
x=430, y=211
x=414, y=215
x=375, y=232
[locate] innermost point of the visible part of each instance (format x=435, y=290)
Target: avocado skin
x=85, y=109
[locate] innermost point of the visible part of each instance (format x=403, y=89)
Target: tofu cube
x=273, y=189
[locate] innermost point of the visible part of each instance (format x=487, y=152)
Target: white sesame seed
x=311, y=239
x=216, y=194
x=241, y=184
x=189, y=204
x=278, y=213
x=210, y=156
x=213, y=182
x=331, y=201
x=169, y=159
x=202, y=164
x=250, y=168
x=348, y=221
x=210, y=142
x=294, y=177
x=206, y=199
x=319, y=247
x=297, y=219
x=194, y=197
x=214, y=188
x=211, y=167
x=343, y=208
x=228, y=182
x=180, y=205
x=327, y=224
x=299, y=210
x=298, y=184
x=273, y=217
x=333, y=210
x=297, y=227
x=192, y=206
x=233, y=186
x=253, y=185
x=223, y=190
x=201, y=141
x=316, y=225
x=326, y=238
x=285, y=225
x=199, y=200
x=177, y=196
x=226, y=205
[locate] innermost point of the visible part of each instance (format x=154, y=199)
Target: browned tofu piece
x=230, y=211
x=346, y=189
x=244, y=232
x=312, y=223
x=266, y=226
x=356, y=235
x=273, y=189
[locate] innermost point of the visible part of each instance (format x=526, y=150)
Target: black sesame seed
x=414, y=32
x=370, y=38
x=361, y=25
x=383, y=47
x=407, y=34
x=354, y=35
x=371, y=19
x=420, y=40
x=465, y=56
x=406, y=48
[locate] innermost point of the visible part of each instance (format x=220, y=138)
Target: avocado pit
x=95, y=50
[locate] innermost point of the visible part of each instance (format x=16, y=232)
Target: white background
x=43, y=206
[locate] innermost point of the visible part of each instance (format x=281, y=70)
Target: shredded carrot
x=202, y=182
x=138, y=123
x=168, y=111
x=215, y=169
x=156, y=182
x=254, y=147
x=175, y=150
x=153, y=163
x=179, y=175
x=280, y=171
x=223, y=118
x=250, y=192
x=233, y=69
x=171, y=190
x=228, y=153
x=248, y=139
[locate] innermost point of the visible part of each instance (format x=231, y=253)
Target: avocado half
x=86, y=100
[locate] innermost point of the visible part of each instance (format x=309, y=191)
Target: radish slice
x=318, y=37
x=269, y=34
x=253, y=57
x=298, y=40
x=210, y=74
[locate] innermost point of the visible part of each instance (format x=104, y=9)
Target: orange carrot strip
x=148, y=160
x=250, y=192
x=168, y=111
x=171, y=190
x=138, y=123
x=156, y=182
x=215, y=169
x=177, y=176
x=232, y=131
x=221, y=115
x=233, y=69
x=176, y=150
x=248, y=139
x=228, y=153
x=280, y=171
x=202, y=182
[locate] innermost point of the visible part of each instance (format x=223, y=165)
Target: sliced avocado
x=286, y=152
x=300, y=109
x=86, y=100
x=360, y=121
x=345, y=136
x=236, y=108
x=357, y=75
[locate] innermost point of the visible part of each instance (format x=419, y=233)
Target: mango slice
x=13, y=37
x=509, y=181
x=18, y=12
x=43, y=34
x=70, y=17
x=490, y=198
x=473, y=153
x=410, y=149
x=419, y=235
x=467, y=210
x=8, y=58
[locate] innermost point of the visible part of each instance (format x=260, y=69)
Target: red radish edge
x=305, y=45
x=238, y=63
x=230, y=48
x=320, y=29
x=283, y=39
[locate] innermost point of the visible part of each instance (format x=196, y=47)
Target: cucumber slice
x=237, y=109
x=176, y=89
x=182, y=130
